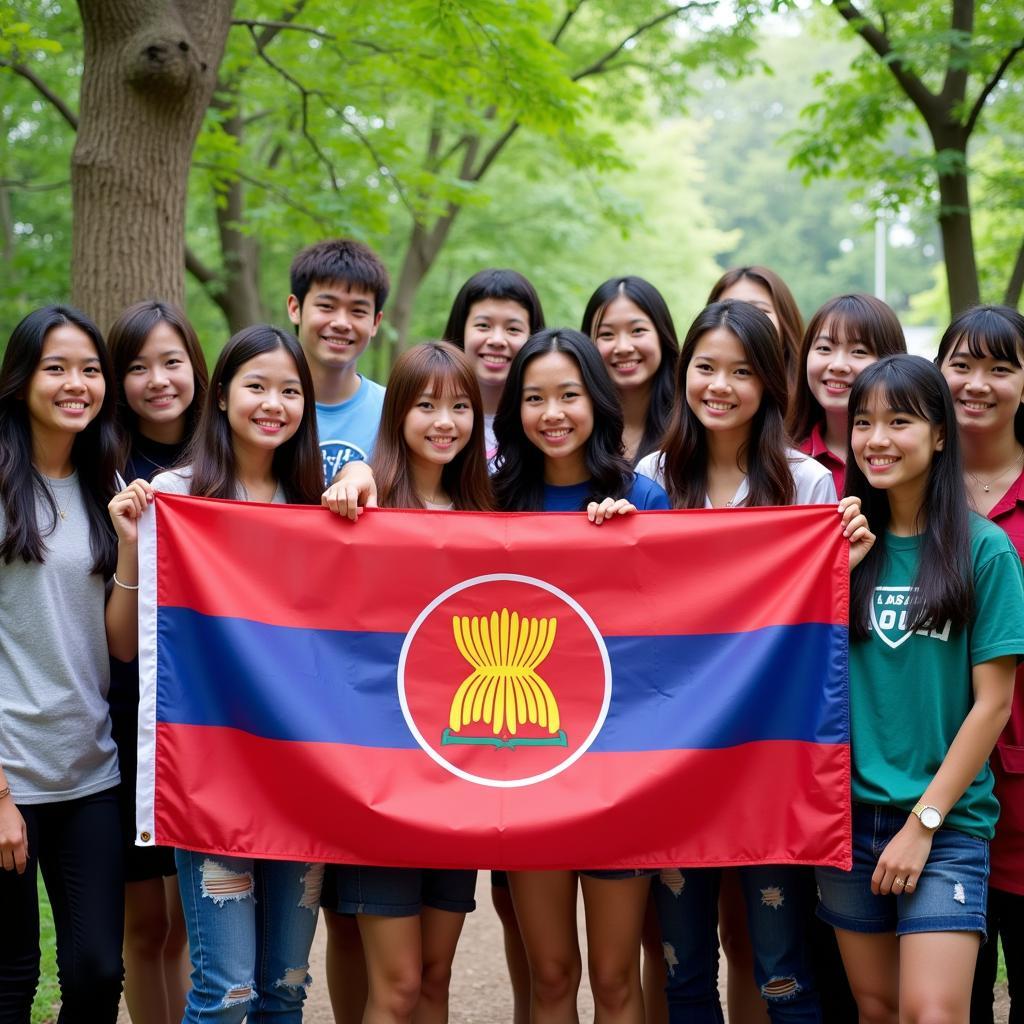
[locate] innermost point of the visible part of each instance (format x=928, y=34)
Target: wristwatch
x=930, y=817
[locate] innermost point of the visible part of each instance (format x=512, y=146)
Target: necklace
x=986, y=487
x=62, y=512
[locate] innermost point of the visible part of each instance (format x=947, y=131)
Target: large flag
x=521, y=690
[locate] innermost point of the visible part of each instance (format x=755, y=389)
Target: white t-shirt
x=813, y=482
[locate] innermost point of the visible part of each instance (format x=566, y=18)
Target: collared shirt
x=1007, y=851
x=819, y=451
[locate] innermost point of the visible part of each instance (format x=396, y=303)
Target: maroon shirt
x=817, y=449
x=1007, y=849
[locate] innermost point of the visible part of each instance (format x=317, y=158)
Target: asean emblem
x=504, y=680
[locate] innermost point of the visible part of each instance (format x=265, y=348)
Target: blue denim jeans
x=687, y=904
x=250, y=925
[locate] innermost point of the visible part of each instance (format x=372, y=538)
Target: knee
x=95, y=979
x=736, y=946
x=398, y=991
x=145, y=934
x=555, y=979
x=613, y=984
x=930, y=1011
x=873, y=1008
x=435, y=982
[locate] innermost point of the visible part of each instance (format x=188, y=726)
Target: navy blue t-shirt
x=644, y=493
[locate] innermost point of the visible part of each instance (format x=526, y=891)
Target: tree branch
x=979, y=103
x=570, y=13
x=280, y=26
x=305, y=95
x=27, y=186
x=954, y=83
x=917, y=92
x=199, y=270
x=605, y=59
x=44, y=90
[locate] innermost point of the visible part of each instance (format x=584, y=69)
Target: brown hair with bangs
x=791, y=323
x=125, y=339
x=857, y=316
x=440, y=367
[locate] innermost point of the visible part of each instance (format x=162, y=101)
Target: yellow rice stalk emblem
x=504, y=690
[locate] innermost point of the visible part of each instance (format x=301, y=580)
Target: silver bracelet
x=124, y=586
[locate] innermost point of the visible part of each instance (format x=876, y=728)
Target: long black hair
x=519, y=479
x=944, y=587
x=493, y=283
x=993, y=331
x=685, y=446
x=644, y=295
x=94, y=453
x=297, y=465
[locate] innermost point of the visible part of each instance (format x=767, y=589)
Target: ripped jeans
x=250, y=925
x=687, y=904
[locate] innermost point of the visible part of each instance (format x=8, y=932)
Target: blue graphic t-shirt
x=348, y=430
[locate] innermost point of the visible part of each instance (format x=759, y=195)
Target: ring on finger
x=899, y=881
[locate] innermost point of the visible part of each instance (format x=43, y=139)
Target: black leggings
x=1006, y=922
x=77, y=845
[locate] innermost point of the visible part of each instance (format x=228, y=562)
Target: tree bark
x=955, y=225
x=1016, y=282
x=149, y=73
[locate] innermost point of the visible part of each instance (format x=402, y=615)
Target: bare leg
x=440, y=930
x=655, y=973
x=872, y=964
x=545, y=903
x=146, y=929
x=345, y=967
x=615, y=917
x=394, y=967
x=177, y=967
x=936, y=975
x=515, y=954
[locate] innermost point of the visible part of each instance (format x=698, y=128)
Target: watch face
x=930, y=817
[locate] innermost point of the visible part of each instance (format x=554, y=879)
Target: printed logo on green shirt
x=891, y=611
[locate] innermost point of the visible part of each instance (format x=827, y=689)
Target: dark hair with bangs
x=94, y=452
x=685, y=447
x=996, y=332
x=945, y=576
x=446, y=369
x=340, y=261
x=493, y=283
x=297, y=464
x=857, y=316
x=791, y=323
x=519, y=479
x=125, y=339
x=650, y=301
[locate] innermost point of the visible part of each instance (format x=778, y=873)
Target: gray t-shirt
x=55, y=739
x=179, y=481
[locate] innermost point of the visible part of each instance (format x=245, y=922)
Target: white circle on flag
x=481, y=780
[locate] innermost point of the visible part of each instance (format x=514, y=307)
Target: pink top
x=1007, y=849
x=817, y=449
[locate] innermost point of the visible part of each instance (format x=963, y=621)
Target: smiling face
x=66, y=391
x=628, y=342
x=894, y=447
x=986, y=392
x=722, y=389
x=557, y=413
x=438, y=426
x=833, y=363
x=264, y=401
x=159, y=384
x=496, y=329
x=747, y=290
x=335, y=324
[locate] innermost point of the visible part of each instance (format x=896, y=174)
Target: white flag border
x=145, y=784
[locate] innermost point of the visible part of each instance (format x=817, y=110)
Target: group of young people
x=506, y=414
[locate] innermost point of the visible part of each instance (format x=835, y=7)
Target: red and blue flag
x=520, y=691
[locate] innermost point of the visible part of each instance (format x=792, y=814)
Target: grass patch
x=1001, y=970
x=47, y=1003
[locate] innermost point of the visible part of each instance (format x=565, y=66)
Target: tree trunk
x=149, y=73
x=955, y=224
x=420, y=254
x=238, y=293
x=1016, y=283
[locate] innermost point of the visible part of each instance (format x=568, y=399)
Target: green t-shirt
x=910, y=692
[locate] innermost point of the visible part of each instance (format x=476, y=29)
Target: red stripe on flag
x=224, y=791
x=677, y=568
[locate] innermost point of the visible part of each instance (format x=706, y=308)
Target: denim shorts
x=397, y=892
x=950, y=896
